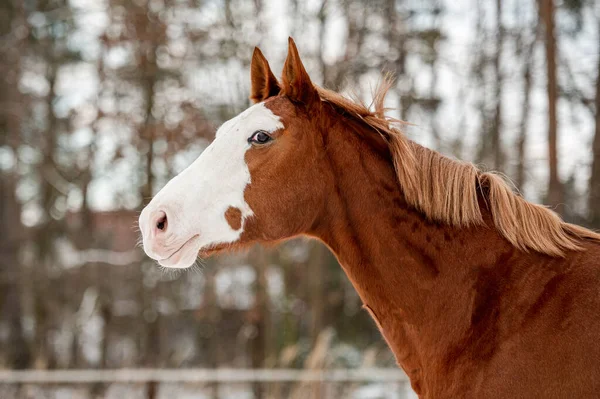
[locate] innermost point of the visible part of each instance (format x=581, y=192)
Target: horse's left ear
x=264, y=84
x=295, y=81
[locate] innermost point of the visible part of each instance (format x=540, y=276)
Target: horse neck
x=418, y=279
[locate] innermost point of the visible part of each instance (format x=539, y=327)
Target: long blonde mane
x=446, y=190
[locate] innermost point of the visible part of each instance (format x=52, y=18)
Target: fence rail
x=200, y=375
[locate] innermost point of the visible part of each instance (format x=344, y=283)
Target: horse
x=478, y=292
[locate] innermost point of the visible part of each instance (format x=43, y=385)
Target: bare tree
x=12, y=114
x=555, y=189
x=496, y=128
x=526, y=50
x=594, y=190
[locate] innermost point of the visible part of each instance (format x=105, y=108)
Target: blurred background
x=103, y=101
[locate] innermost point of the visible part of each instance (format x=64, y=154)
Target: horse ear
x=264, y=84
x=295, y=81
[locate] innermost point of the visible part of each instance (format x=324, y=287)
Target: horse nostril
x=161, y=222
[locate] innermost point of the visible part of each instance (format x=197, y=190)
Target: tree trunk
x=497, y=120
x=555, y=189
x=522, y=139
x=527, y=54
x=480, y=65
x=44, y=300
x=211, y=314
x=260, y=316
x=316, y=294
x=594, y=192
x=14, y=351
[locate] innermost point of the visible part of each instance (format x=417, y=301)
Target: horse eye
x=260, y=137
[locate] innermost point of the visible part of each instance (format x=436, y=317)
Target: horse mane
x=446, y=190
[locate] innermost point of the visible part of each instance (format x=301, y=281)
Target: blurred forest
x=102, y=101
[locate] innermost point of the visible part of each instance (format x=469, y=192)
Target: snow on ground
x=193, y=391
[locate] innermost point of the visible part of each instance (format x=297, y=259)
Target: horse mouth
x=184, y=251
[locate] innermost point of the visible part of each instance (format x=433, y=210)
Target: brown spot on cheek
x=234, y=217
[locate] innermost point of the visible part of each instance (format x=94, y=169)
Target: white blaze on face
x=196, y=200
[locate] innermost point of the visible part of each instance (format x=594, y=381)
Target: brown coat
x=478, y=293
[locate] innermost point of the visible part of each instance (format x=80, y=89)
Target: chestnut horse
x=479, y=293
